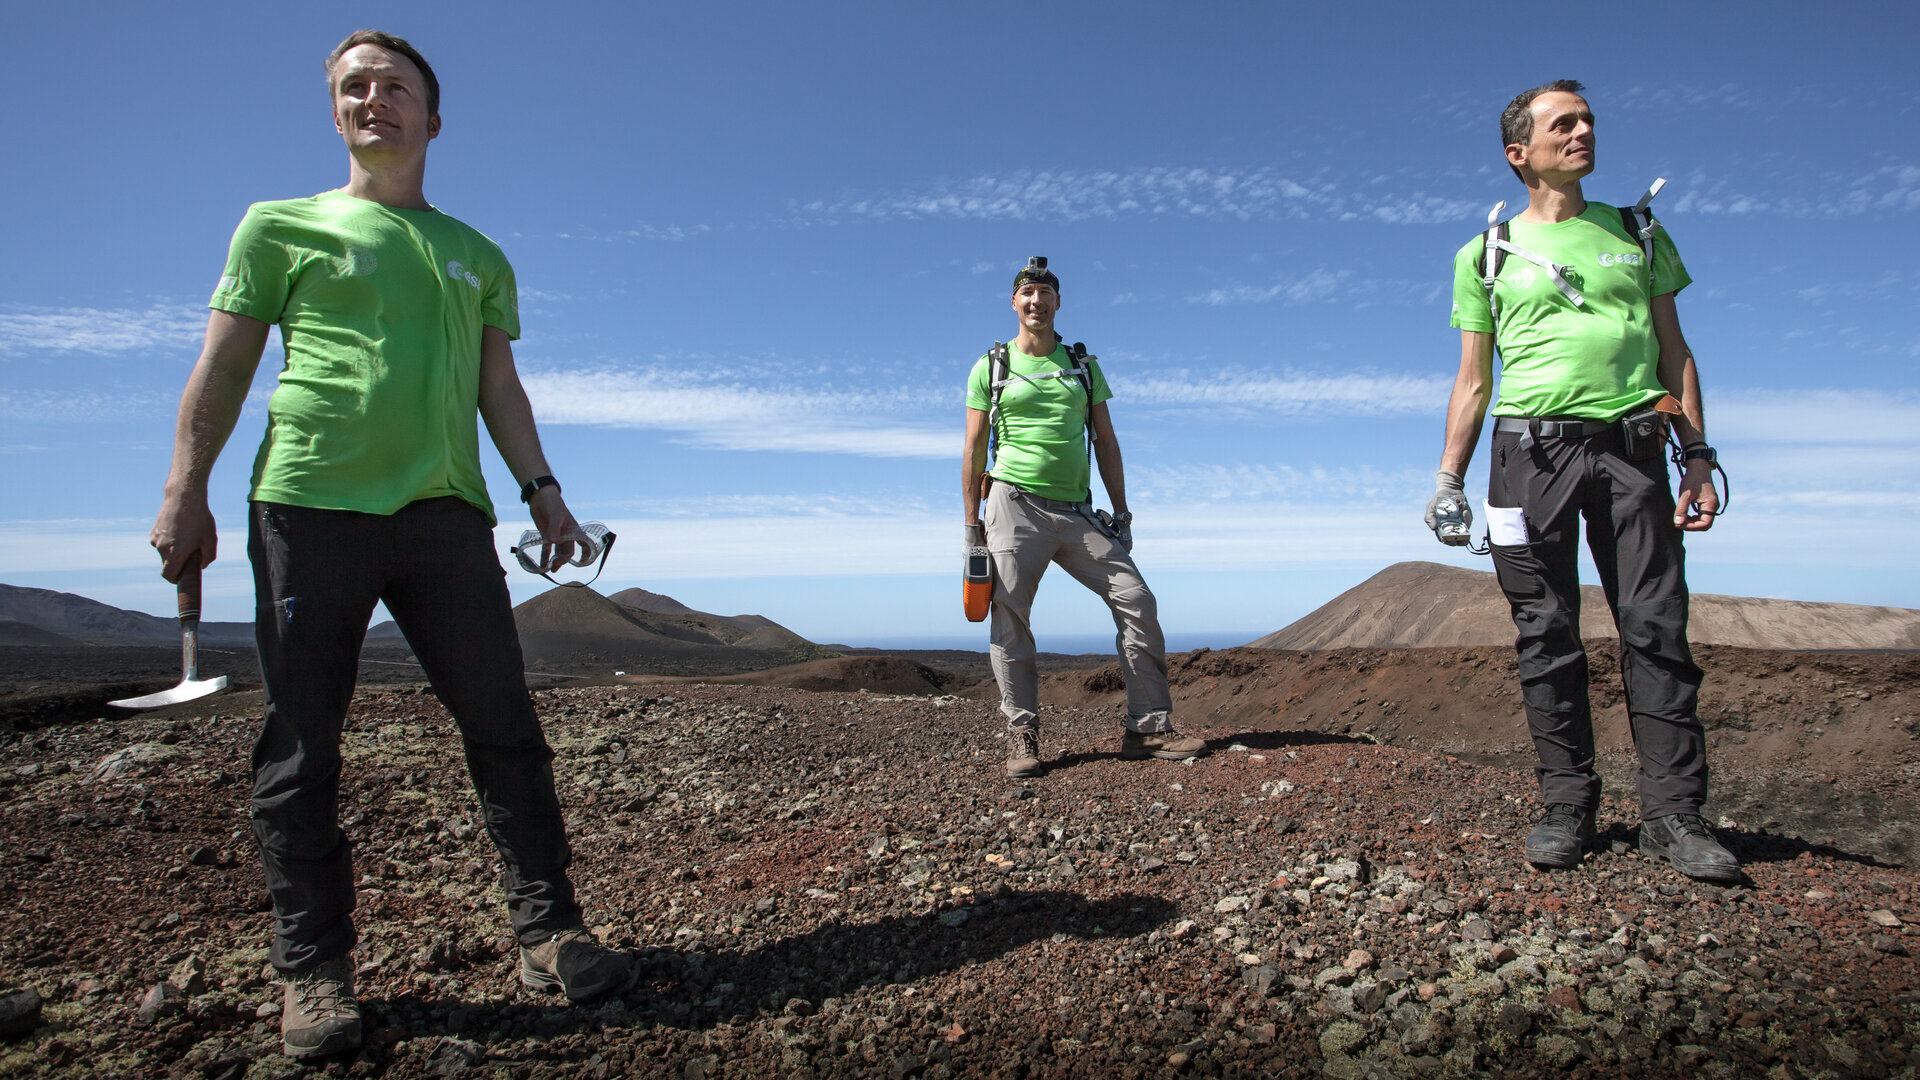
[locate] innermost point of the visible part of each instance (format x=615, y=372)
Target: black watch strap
x=1701, y=451
x=532, y=486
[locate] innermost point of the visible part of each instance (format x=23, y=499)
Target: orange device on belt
x=976, y=584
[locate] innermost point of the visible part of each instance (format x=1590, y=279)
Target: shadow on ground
x=690, y=989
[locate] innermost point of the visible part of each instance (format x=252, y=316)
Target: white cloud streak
x=70, y=545
x=862, y=422
x=1263, y=194
x=1291, y=393
x=1888, y=189
x=66, y=407
x=1864, y=418
x=101, y=331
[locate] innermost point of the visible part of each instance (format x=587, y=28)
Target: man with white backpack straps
x=1578, y=298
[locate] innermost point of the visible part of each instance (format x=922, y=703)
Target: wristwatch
x=534, y=485
x=1701, y=451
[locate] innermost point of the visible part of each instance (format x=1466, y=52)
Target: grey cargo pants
x=1629, y=525
x=1024, y=534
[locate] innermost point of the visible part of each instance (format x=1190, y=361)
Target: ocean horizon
x=1070, y=644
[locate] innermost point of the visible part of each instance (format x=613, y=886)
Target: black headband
x=1036, y=270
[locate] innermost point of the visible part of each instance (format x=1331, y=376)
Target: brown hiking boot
x=319, y=1015
x=1023, y=751
x=1168, y=744
x=572, y=962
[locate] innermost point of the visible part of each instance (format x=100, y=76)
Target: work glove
x=1448, y=514
x=1123, y=530
x=976, y=537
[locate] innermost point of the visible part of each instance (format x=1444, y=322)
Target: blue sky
x=759, y=246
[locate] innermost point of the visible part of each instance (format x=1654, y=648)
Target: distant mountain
x=91, y=622
x=1422, y=604
x=648, y=601
x=559, y=621
x=14, y=632
x=667, y=605
x=568, y=631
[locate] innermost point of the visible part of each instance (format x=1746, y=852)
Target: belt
x=1057, y=506
x=1553, y=429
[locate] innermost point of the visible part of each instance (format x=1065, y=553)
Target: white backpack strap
x=1491, y=255
x=1554, y=270
x=1639, y=222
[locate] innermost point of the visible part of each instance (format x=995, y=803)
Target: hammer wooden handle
x=188, y=591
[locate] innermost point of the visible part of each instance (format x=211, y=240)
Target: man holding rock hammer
x=397, y=322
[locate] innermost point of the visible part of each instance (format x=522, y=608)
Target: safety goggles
x=591, y=540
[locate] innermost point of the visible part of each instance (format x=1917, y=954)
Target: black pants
x=1629, y=514
x=317, y=575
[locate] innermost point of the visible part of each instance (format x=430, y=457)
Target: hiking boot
x=1168, y=744
x=1685, y=841
x=1023, y=751
x=572, y=962
x=320, y=1015
x=1563, y=833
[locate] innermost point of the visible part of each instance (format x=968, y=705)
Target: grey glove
x=1448, y=513
x=976, y=537
x=1123, y=530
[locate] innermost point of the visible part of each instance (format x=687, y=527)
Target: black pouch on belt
x=1643, y=434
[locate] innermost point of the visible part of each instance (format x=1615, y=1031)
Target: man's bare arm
x=1467, y=406
x=973, y=464
x=209, y=408
x=509, y=418
x=1106, y=454
x=1677, y=371
x=1696, y=502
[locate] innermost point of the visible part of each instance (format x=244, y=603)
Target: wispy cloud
x=743, y=417
x=1262, y=194
x=1311, y=287
x=1865, y=418
x=101, y=331
x=795, y=505
x=1884, y=190
x=64, y=407
x=79, y=545
x=1291, y=393
x=667, y=233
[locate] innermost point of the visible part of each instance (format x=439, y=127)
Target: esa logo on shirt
x=461, y=273
x=1608, y=258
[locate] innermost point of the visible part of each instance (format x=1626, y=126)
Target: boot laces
x=1563, y=814
x=323, y=995
x=1689, y=825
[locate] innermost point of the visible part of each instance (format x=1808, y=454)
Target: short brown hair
x=1516, y=124
x=392, y=44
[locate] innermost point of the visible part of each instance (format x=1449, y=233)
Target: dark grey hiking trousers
x=317, y=575
x=1628, y=509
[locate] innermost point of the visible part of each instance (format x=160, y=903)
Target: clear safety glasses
x=592, y=542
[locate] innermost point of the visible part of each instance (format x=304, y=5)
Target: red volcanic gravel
x=835, y=884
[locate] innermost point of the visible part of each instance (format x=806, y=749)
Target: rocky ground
x=843, y=884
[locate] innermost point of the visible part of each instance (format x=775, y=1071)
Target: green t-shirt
x=1599, y=361
x=380, y=312
x=1042, y=426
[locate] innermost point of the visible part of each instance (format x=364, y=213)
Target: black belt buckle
x=1642, y=434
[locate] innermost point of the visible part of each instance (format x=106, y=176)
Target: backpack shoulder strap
x=999, y=367
x=1077, y=353
x=1640, y=225
x=1492, y=255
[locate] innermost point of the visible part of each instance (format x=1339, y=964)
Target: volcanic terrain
x=827, y=882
